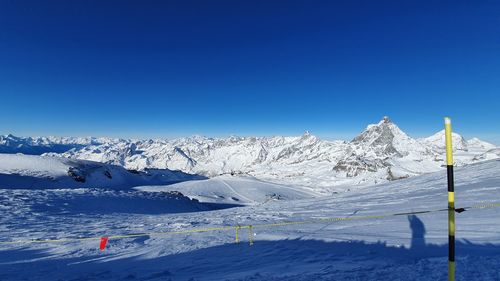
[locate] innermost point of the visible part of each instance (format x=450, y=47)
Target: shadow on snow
x=270, y=260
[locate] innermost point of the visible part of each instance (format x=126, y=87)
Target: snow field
x=393, y=248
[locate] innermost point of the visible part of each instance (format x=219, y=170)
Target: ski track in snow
x=234, y=191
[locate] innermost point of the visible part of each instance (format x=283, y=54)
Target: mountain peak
x=438, y=141
x=387, y=139
x=385, y=120
x=384, y=127
x=479, y=144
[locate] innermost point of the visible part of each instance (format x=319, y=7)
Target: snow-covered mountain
x=437, y=141
x=465, y=151
x=384, y=148
x=40, y=172
x=40, y=145
x=382, y=152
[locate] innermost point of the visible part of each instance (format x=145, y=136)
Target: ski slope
x=235, y=190
x=403, y=247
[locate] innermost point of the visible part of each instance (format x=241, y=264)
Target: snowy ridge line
x=380, y=153
x=249, y=227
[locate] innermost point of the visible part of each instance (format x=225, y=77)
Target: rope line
x=249, y=227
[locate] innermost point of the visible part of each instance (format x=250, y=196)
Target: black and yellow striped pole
x=451, y=200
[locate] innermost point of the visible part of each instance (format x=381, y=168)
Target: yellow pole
x=451, y=200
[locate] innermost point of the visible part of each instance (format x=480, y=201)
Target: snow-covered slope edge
x=29, y=171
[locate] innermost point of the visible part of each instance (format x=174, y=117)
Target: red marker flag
x=104, y=241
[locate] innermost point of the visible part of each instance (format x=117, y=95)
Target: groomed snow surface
x=404, y=247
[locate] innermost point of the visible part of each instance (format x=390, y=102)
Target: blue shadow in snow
x=265, y=260
x=417, y=232
x=101, y=202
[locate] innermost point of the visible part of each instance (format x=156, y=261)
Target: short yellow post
x=451, y=200
x=250, y=235
x=238, y=234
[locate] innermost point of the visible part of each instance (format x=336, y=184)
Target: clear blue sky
x=178, y=68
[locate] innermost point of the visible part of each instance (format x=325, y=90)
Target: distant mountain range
x=382, y=152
